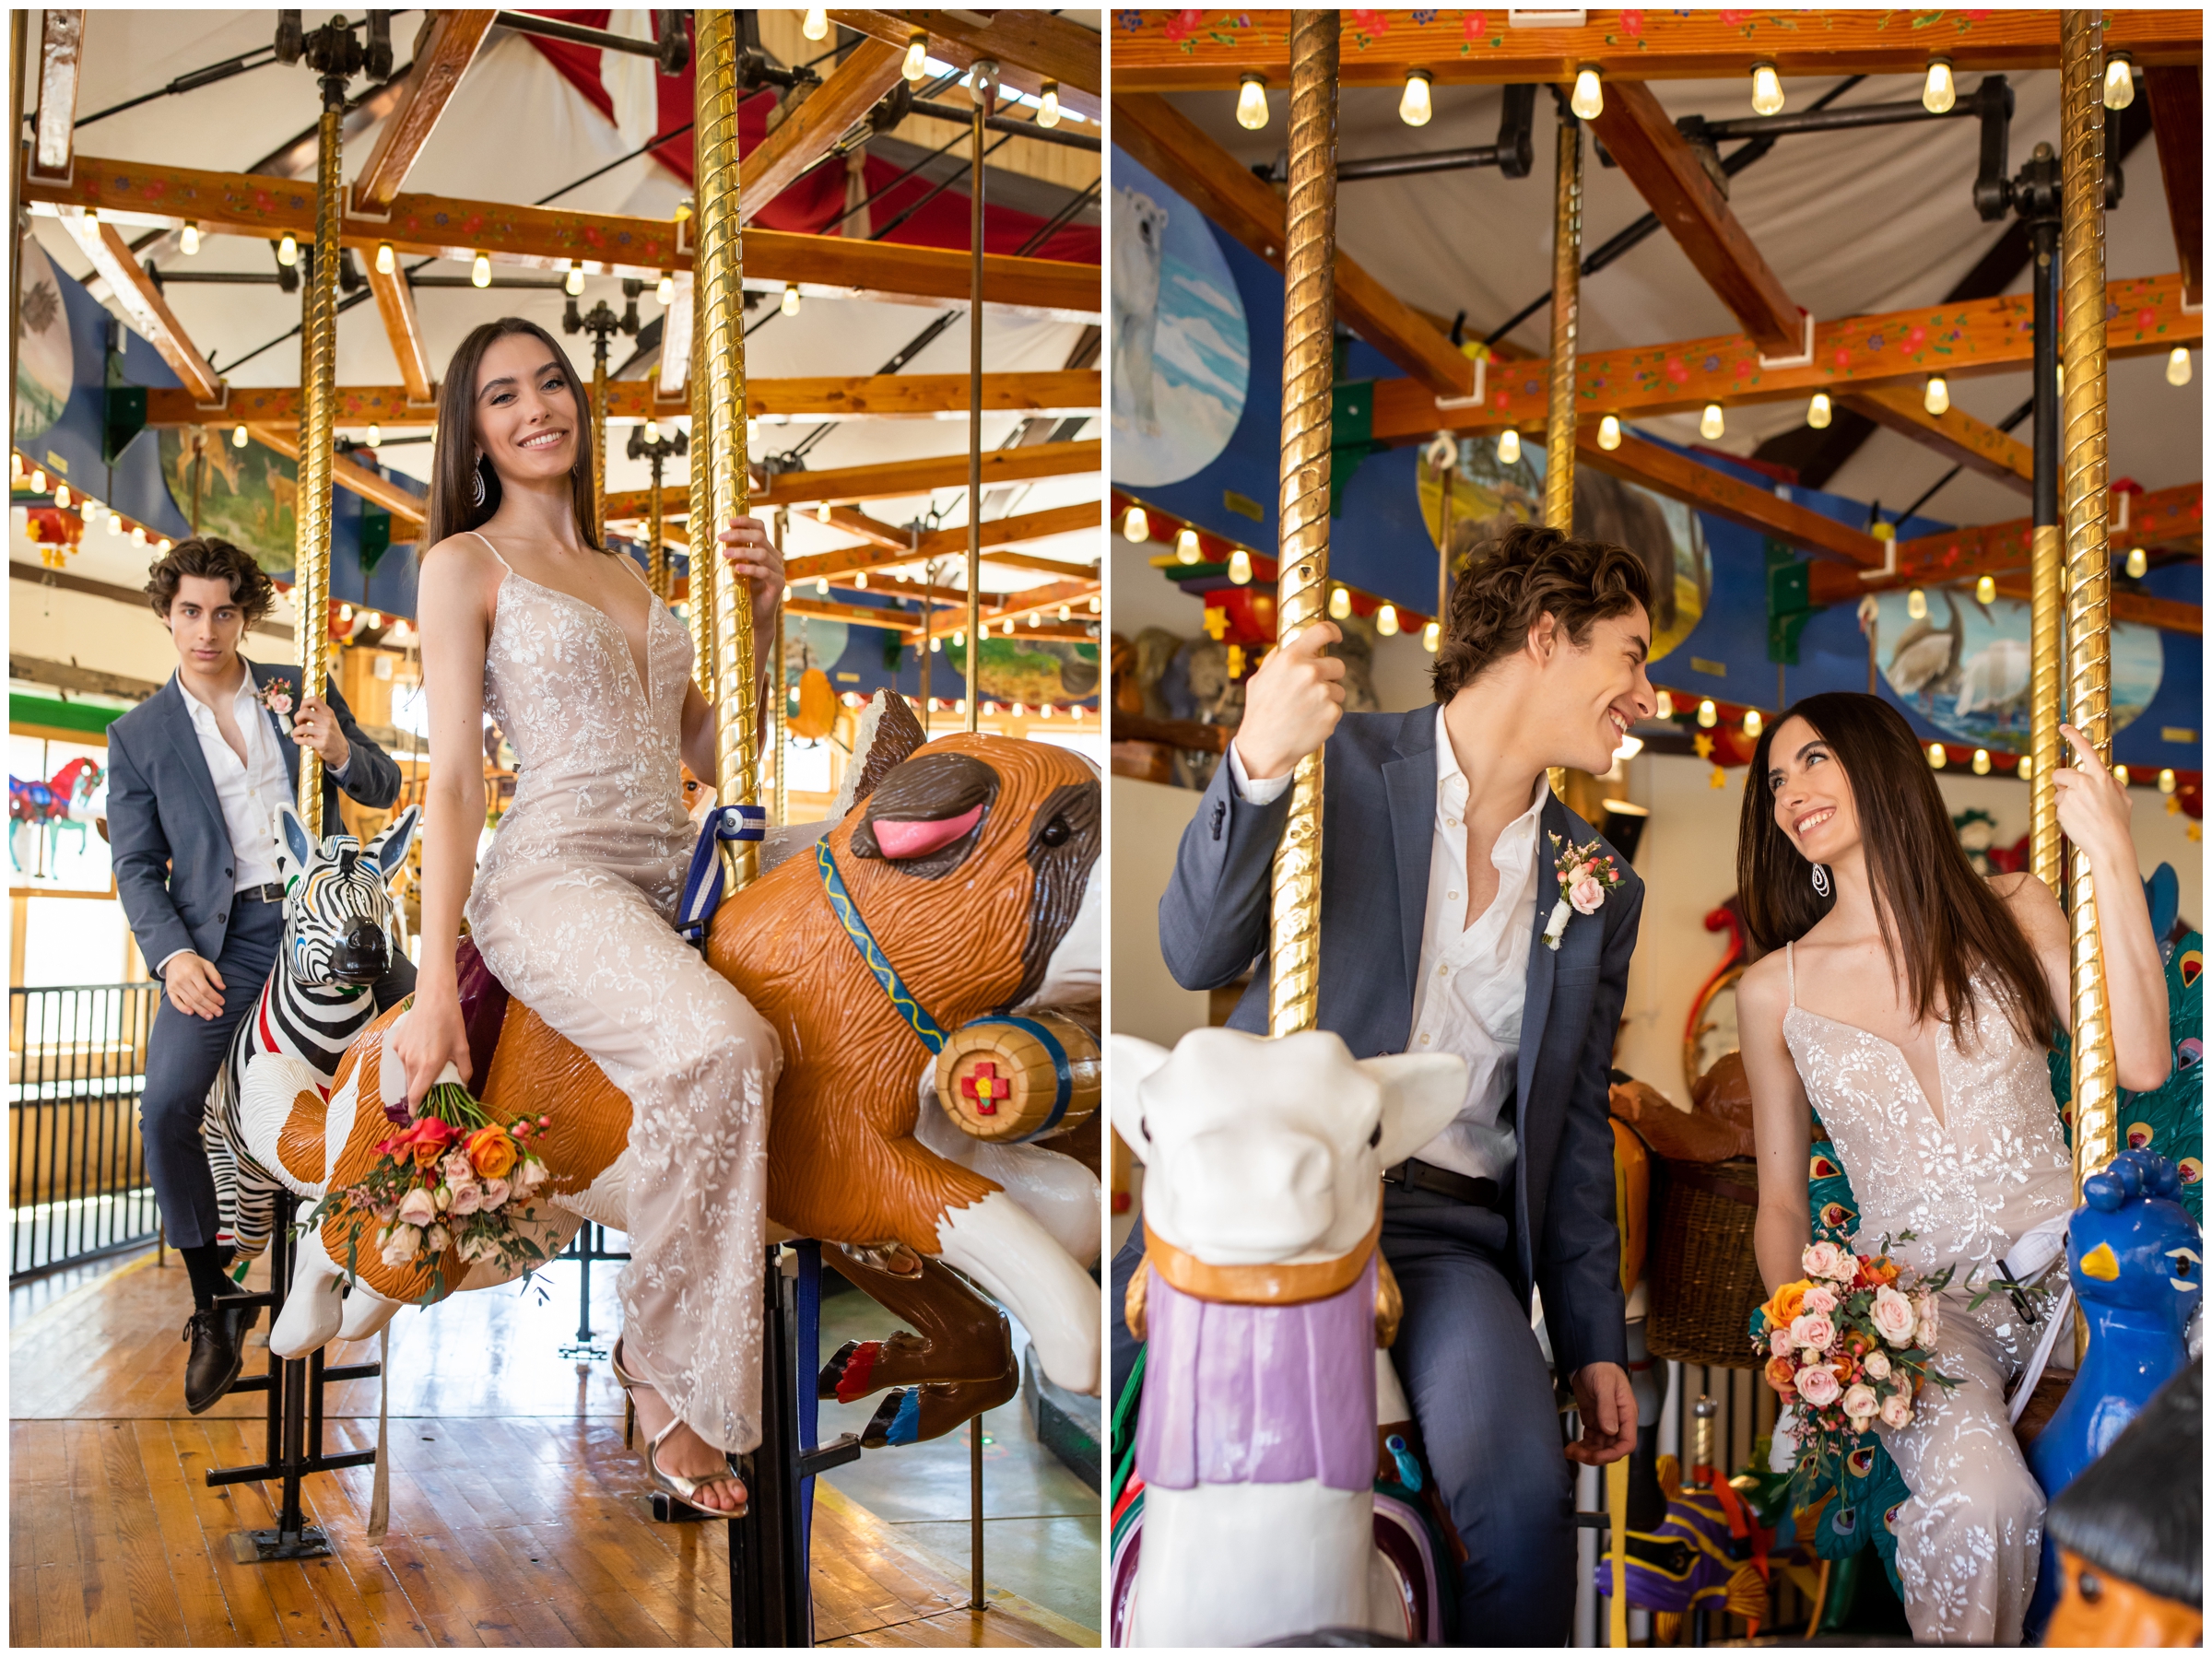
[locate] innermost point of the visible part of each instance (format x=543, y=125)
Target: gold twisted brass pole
x=1566, y=305
x=701, y=597
x=656, y=551
x=982, y=83
x=1303, y=560
x=311, y=590
x=779, y=694
x=2046, y=608
x=2088, y=560
x=721, y=273
x=599, y=443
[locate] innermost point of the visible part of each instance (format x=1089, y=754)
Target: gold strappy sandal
x=676, y=1484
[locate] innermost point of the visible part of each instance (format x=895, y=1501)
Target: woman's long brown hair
x=458, y=466
x=1939, y=918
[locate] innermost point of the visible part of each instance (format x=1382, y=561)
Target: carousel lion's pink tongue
x=919, y=840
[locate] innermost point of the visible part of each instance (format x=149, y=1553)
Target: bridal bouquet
x=453, y=1178
x=1851, y=1343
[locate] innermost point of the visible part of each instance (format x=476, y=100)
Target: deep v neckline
x=1942, y=1117
x=641, y=677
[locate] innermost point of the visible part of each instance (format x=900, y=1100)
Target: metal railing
x=78, y=1186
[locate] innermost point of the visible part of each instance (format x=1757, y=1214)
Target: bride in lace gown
x=1911, y=1004
x=590, y=677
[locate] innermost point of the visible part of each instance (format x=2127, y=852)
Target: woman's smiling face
x=527, y=419
x=1812, y=796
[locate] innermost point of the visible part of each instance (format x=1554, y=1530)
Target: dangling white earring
x=476, y=480
x=1820, y=880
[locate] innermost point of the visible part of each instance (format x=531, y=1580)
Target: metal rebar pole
x=721, y=274
x=2047, y=555
x=975, y=1515
x=1303, y=552
x=983, y=82
x=1566, y=305
x=2088, y=558
x=312, y=580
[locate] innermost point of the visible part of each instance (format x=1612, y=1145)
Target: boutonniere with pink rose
x=1585, y=875
x=276, y=697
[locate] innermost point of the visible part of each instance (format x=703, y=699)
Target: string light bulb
x=376, y=435
x=653, y=429
x=2177, y=366
x=817, y=26
x=2026, y=768
x=288, y=251
x=2119, y=775
x=1754, y=722
x=1509, y=447
x=1064, y=613
x=60, y=499
x=1252, y=101
x=1416, y=107
x=1708, y=715
x=2119, y=81
x=1766, y=89
x=1981, y=763
x=1940, y=91
x=2138, y=562
x=1663, y=705
x=1239, y=572
x=238, y=438
x=1937, y=759
x=574, y=284
x=386, y=260
x=860, y=580
x=1093, y=606
x=1386, y=621
x=791, y=298
x=1186, y=545
x=2167, y=782
x=115, y=527
x=1048, y=105
x=822, y=512
x=917, y=55
x=665, y=292
x=1985, y=590
x=1135, y=526
x=1710, y=424
x=479, y=273
x=1937, y=397
x=137, y=534
x=190, y=240
x=1608, y=433
x=1340, y=602
x=1432, y=636
x=38, y=478
x=1819, y=412
x=1916, y=605
x=1589, y=100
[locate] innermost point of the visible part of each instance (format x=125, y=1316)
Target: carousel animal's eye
x=1375, y=1138
x=1054, y=833
x=2185, y=1264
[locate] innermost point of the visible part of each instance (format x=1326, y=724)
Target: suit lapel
x=285, y=745
x=185, y=739
x=1410, y=782
x=1542, y=959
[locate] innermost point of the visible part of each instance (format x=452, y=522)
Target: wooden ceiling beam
x=1710, y=490
x=1954, y=434
x=230, y=203
x=816, y=123
x=2168, y=615
x=896, y=479
x=1163, y=52
x=150, y=312
x=2177, y=122
x=824, y=397
x=1897, y=348
x=379, y=491
x=61, y=66
x=395, y=305
x=885, y=546
x=1029, y=47
x=1666, y=173
x=1015, y=607
x=446, y=50
x=1167, y=141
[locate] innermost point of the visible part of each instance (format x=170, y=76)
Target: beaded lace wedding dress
x=574, y=909
x=1966, y=1182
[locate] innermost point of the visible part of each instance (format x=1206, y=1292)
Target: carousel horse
x=1266, y=1306
x=52, y=805
x=2130, y=1532
x=958, y=887
x=2135, y=1259
x=337, y=944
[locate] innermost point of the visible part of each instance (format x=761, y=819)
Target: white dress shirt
x=249, y=791
x=1472, y=979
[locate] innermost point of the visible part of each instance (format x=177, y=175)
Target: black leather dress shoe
x=219, y=1343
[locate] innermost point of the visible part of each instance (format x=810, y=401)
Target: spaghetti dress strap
x=495, y=551
x=1789, y=955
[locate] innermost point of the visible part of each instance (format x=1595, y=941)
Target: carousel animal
x=968, y=867
x=1264, y=1304
x=52, y=805
x=2136, y=1261
x=337, y=944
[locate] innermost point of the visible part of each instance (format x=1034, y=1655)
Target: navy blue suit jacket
x=1378, y=829
x=173, y=865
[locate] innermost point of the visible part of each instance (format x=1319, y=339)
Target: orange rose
x=491, y=1152
x=1782, y=1375
x=1788, y=1302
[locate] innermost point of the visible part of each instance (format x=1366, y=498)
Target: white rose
x=1877, y=1364
x=399, y=1244
x=1897, y=1410
x=438, y=1239
x=495, y=1192
x=1859, y=1401
x=1892, y=1314
x=418, y=1207
x=469, y=1197
x=1929, y=1321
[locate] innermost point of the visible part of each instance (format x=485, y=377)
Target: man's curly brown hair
x=205, y=556
x=1531, y=572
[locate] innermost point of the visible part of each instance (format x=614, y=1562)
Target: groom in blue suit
x=1444, y=929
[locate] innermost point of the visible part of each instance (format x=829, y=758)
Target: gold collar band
x=1274, y=1284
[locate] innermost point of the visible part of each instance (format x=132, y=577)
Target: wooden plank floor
x=517, y=1516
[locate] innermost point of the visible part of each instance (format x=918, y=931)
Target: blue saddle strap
x=878, y=964
x=702, y=882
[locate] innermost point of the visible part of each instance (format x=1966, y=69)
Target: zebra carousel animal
x=337, y=943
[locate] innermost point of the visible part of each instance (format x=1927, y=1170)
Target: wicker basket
x=1704, y=1274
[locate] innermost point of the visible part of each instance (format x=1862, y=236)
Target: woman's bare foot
x=688, y=1455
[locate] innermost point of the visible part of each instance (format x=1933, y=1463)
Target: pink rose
x=1783, y=1346
x=1826, y=1260
x=418, y=1207
x=1897, y=1410
x=1820, y=1298
x=1924, y=1309
x=1817, y=1385
x=398, y=1245
x=456, y=1168
x=495, y=1192
x=469, y=1197
x=437, y=1239
x=1894, y=1317
x=1813, y=1331
x=1876, y=1366
x=1586, y=895
x=1859, y=1401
